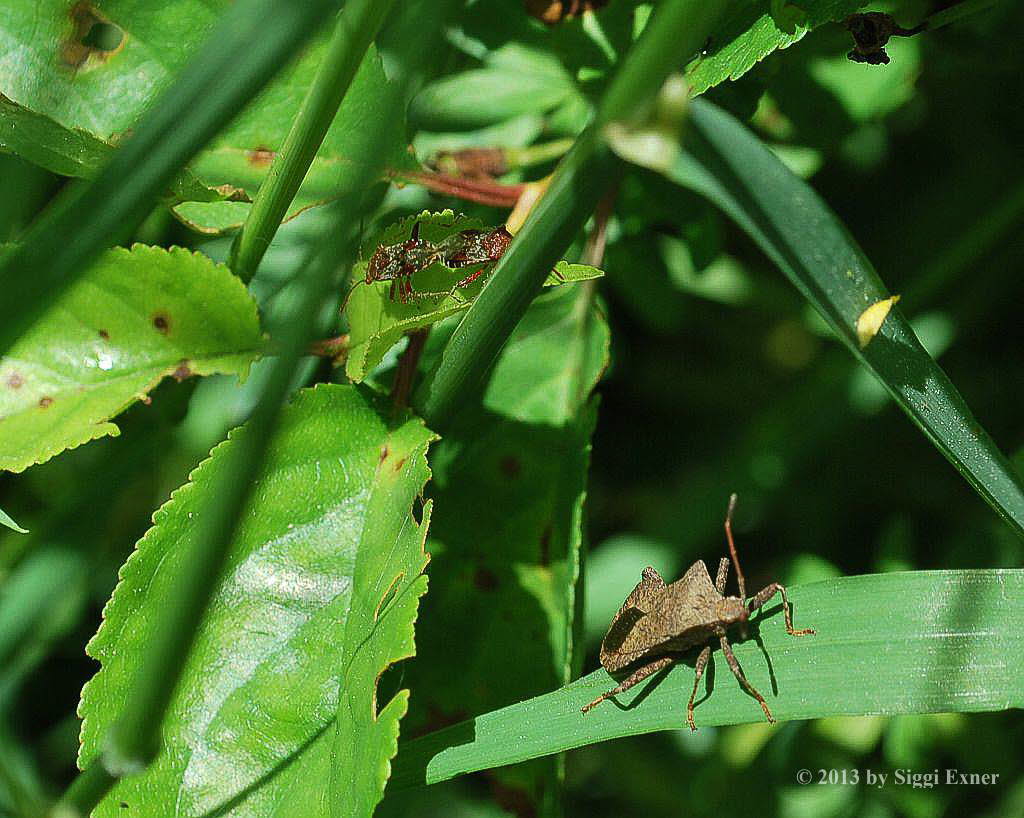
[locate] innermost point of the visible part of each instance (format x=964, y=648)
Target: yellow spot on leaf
x=870, y=321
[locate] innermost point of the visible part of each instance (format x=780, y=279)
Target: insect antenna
x=348, y=295
x=732, y=547
x=359, y=281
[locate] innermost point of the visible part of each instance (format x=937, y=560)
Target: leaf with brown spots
x=135, y=317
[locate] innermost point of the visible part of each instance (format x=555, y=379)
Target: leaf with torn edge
x=276, y=711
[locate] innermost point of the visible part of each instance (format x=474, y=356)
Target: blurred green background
x=721, y=380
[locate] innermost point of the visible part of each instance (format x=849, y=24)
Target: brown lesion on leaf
x=183, y=371
x=484, y=579
x=162, y=322
x=260, y=157
x=384, y=451
x=510, y=466
x=15, y=381
x=104, y=335
x=398, y=464
x=545, y=545
x=93, y=39
x=45, y=402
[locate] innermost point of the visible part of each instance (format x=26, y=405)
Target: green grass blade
x=354, y=30
x=253, y=40
x=133, y=739
x=801, y=234
x=913, y=642
x=678, y=29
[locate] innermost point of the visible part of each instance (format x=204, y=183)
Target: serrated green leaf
x=134, y=318
x=5, y=520
x=318, y=597
x=750, y=33
x=914, y=642
x=377, y=322
x=78, y=111
x=799, y=232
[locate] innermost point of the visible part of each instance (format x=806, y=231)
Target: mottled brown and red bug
x=398, y=263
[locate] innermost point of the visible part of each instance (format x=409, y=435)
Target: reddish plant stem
x=406, y=371
x=593, y=250
x=334, y=348
x=486, y=192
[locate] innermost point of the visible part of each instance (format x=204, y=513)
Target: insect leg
x=469, y=279
x=723, y=574
x=767, y=593
x=636, y=678
x=415, y=232
x=737, y=671
x=702, y=662
x=391, y=292
x=732, y=547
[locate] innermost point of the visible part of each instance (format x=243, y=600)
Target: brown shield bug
x=658, y=622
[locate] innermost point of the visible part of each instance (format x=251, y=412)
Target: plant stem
x=678, y=29
x=957, y=12
x=134, y=739
x=593, y=250
x=237, y=60
x=354, y=30
x=491, y=193
x=406, y=371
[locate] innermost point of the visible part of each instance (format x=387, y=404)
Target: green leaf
x=553, y=360
x=77, y=112
x=517, y=80
x=377, y=322
x=318, y=597
x=44, y=598
x=799, y=232
x=750, y=33
x=914, y=642
x=5, y=520
x=505, y=615
x=135, y=317
x=75, y=152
